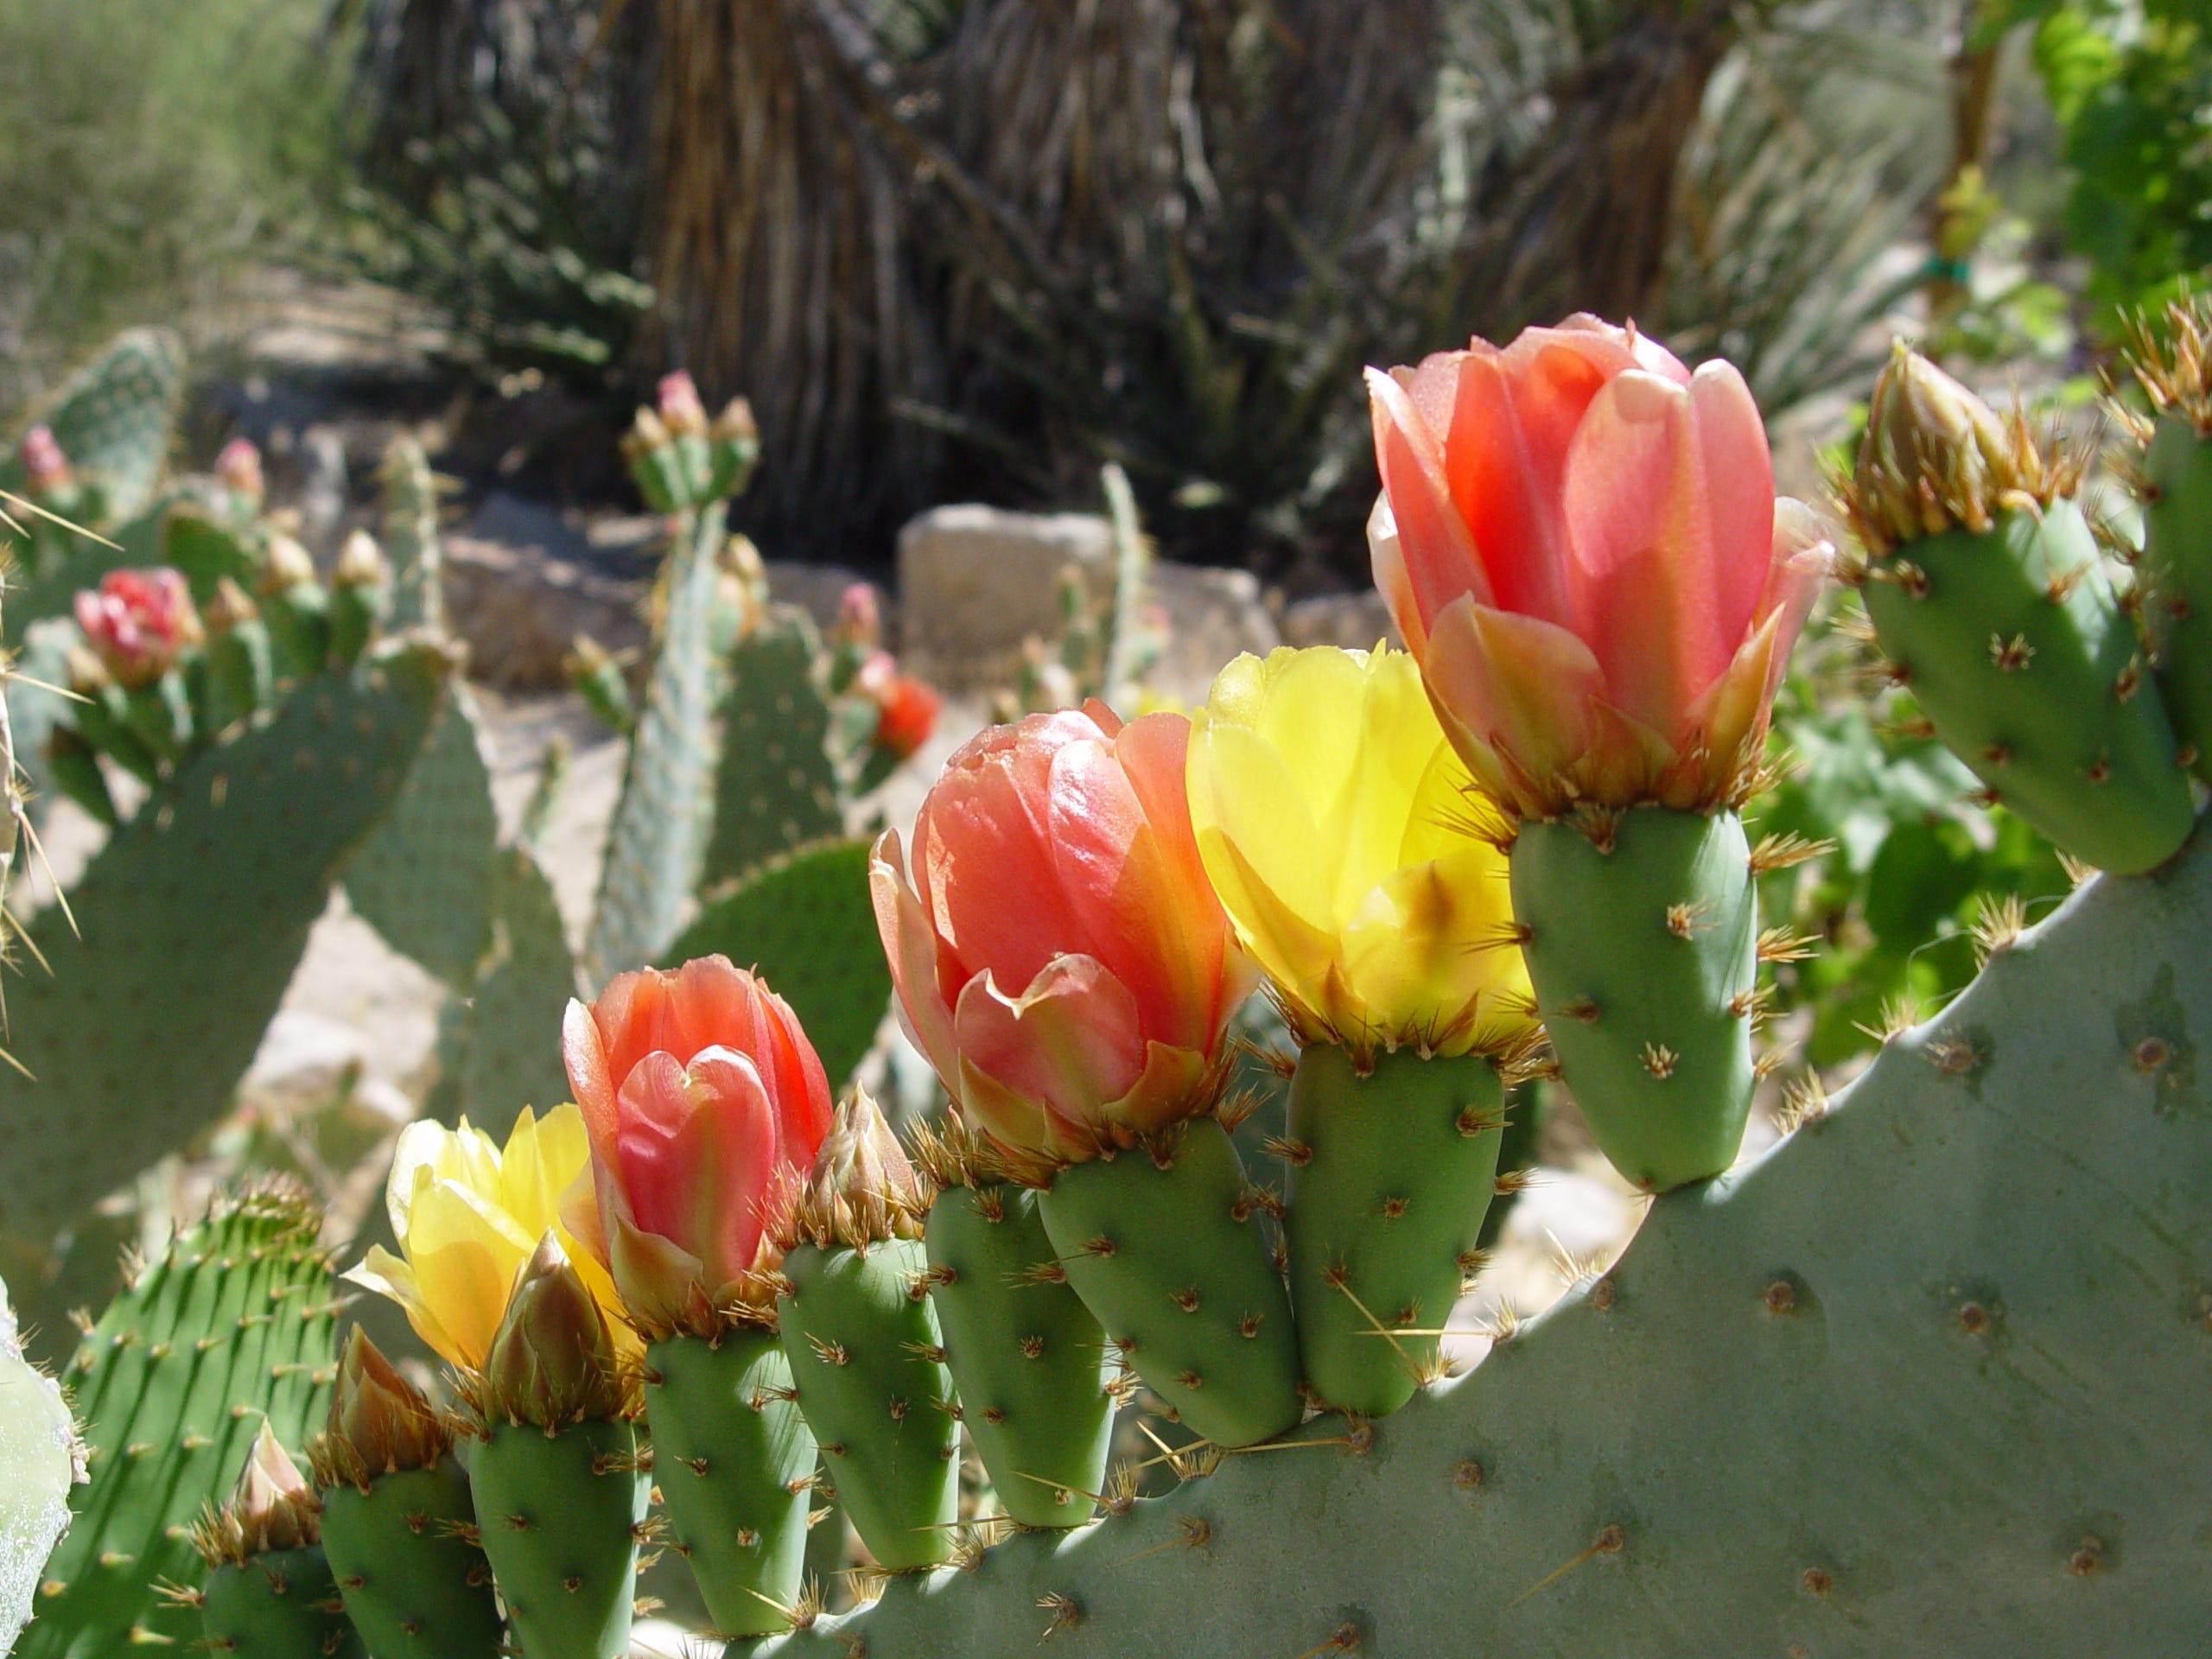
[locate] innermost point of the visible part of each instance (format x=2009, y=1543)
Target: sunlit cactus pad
x=1929, y=1378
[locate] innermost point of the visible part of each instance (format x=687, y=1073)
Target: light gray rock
x=975, y=581
x=1212, y=615
x=1354, y=621
x=520, y=609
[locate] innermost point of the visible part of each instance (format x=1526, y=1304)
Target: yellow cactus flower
x=1343, y=834
x=468, y=1214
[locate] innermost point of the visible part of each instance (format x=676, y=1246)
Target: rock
x=819, y=590
x=306, y=1060
x=975, y=581
x=1355, y=622
x=1212, y=615
x=521, y=607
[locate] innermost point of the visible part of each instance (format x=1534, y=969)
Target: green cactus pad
x=298, y=620
x=423, y=880
x=657, y=844
x=494, y=1056
x=198, y=539
x=404, y=1553
x=806, y=922
x=230, y=1325
x=1644, y=957
x=1168, y=1252
x=2015, y=645
x=1028, y=1357
x=1391, y=1175
x=281, y=1605
x=189, y=924
x=734, y=1462
x=235, y=678
x=775, y=788
x=409, y=532
x=115, y=419
x=2177, y=574
x=1928, y=1378
x=38, y=1459
x=868, y=1363
x=561, y=1513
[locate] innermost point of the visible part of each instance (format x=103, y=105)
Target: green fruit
x=1642, y=943
x=1392, y=1173
x=282, y=1604
x=735, y=1461
x=869, y=1367
x=1164, y=1246
x=2177, y=574
x=404, y=1554
x=1028, y=1358
x=561, y=1512
x=2015, y=645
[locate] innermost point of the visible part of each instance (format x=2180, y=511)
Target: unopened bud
x=862, y=1188
x=46, y=469
x=859, y=620
x=553, y=1359
x=380, y=1423
x=285, y=565
x=238, y=469
x=228, y=608
x=681, y=411
x=271, y=1508
x=360, y=563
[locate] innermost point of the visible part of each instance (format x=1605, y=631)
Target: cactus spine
x=1029, y=1360
x=1392, y=1168
x=1162, y=1242
x=861, y=1337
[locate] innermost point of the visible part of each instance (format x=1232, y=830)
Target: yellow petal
x=542, y=1158
x=385, y=1273
x=1244, y=795
x=465, y=1251
x=1431, y=940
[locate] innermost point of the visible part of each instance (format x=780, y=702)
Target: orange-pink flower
x=907, y=709
x=1060, y=955
x=1580, y=540
x=139, y=622
x=705, y=1104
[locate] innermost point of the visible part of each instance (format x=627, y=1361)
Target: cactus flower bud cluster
x=139, y=622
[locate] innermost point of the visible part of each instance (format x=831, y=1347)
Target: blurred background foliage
x=975, y=249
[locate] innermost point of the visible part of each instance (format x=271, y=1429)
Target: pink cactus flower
x=1060, y=955
x=238, y=469
x=1580, y=541
x=681, y=411
x=139, y=622
x=705, y=1105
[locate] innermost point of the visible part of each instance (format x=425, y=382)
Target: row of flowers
x=1579, y=541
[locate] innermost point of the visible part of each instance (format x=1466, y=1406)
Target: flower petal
x=1440, y=559
x=1072, y=1040
x=1521, y=686
x=909, y=945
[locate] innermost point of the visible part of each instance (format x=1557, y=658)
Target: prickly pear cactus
x=410, y=530
x=493, y=1056
x=183, y=933
x=230, y=1325
x=805, y=922
x=115, y=417
x=38, y=1458
x=1929, y=1378
x=775, y=787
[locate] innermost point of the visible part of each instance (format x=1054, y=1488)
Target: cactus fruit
x=1391, y=1174
x=360, y=595
x=862, y=1339
x=296, y=609
x=192, y=918
x=1926, y=1377
x=735, y=1461
x=1163, y=1243
x=235, y=678
x=805, y=922
x=1028, y=1359
x=39, y=1462
x=560, y=1489
x=398, y=1522
x=269, y=1594
x=1640, y=929
x=228, y=1327
x=1988, y=594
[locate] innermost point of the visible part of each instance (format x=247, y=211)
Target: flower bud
x=681, y=411
x=229, y=608
x=862, y=1189
x=553, y=1359
x=360, y=562
x=238, y=469
x=859, y=620
x=271, y=1508
x=46, y=469
x=380, y=1423
x=285, y=565
x=139, y=622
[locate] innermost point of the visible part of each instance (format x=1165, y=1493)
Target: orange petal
x=1521, y=686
